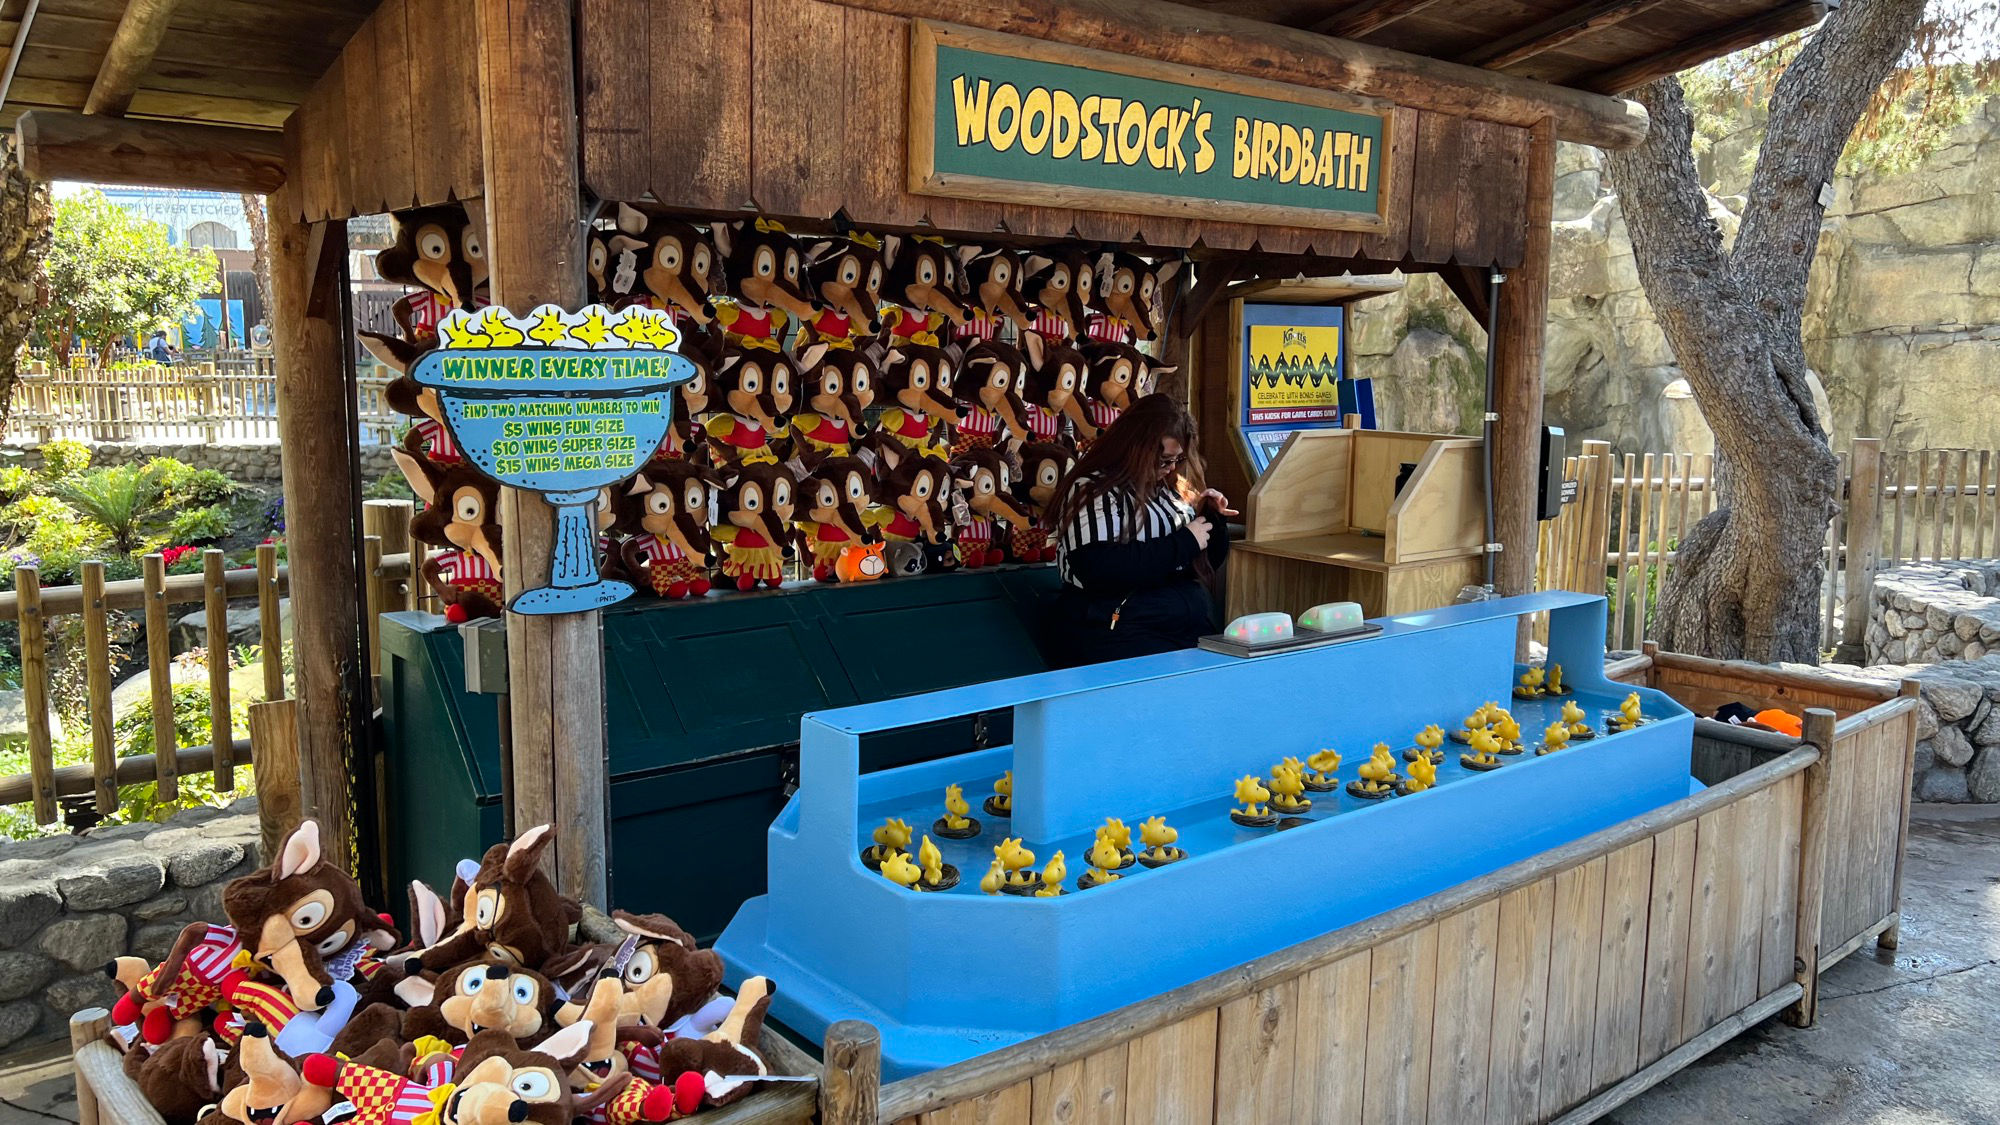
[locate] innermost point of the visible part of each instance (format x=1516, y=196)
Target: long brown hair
x=1126, y=457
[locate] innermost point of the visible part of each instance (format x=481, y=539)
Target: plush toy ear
x=1102, y=266
x=722, y=233
x=892, y=357
x=1166, y=271
x=422, y=475
x=1036, y=263
x=568, y=1045
x=393, y=352
x=891, y=243
x=417, y=992
x=817, y=249
x=427, y=913
x=525, y=852
x=301, y=851
x=640, y=486
x=811, y=356
x=631, y=220
x=967, y=253
x=728, y=362
x=211, y=1058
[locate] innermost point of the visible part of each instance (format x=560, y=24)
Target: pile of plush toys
x=309, y=1007
x=867, y=405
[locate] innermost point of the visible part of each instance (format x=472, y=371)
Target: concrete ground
x=1904, y=1038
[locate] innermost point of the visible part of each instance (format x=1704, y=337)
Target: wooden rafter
x=1708, y=45
x=59, y=145
x=1556, y=31
x=1358, y=19
x=20, y=44
x=138, y=36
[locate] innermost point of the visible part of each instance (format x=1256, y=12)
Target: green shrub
x=63, y=459
x=199, y=525
x=183, y=485
x=391, y=486
x=126, y=501
x=15, y=482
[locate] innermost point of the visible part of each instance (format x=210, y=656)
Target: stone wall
x=1922, y=613
x=250, y=462
x=1902, y=319
x=1958, y=725
x=69, y=904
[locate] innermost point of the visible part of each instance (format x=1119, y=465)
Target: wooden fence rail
x=1620, y=533
x=151, y=597
x=206, y=402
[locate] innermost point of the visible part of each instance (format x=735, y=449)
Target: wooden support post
x=319, y=514
x=1517, y=436
x=215, y=600
x=1818, y=730
x=533, y=247
x=274, y=759
x=1891, y=936
x=1597, y=520
x=97, y=685
x=1864, y=544
x=160, y=679
x=86, y=1027
x=850, y=1084
x=270, y=621
x=35, y=690
x=387, y=522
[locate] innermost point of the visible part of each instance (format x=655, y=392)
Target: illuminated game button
x=1332, y=617
x=1260, y=628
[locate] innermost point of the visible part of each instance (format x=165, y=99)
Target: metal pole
x=1493, y=283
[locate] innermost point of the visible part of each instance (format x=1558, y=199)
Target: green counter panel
x=702, y=706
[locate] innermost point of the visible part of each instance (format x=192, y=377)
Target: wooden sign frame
x=924, y=178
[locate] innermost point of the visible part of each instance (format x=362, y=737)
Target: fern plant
x=126, y=501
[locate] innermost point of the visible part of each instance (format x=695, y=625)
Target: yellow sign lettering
x=1037, y=105
x=970, y=112
x=1007, y=100
x=1066, y=113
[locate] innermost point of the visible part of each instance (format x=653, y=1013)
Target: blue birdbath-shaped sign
x=564, y=404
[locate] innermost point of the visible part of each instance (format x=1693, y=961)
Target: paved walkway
x=1909, y=1038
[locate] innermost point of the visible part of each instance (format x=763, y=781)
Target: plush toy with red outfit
x=1043, y=467
x=755, y=385
x=462, y=515
x=835, y=495
x=997, y=373
x=990, y=511
x=664, y=513
x=838, y=384
x=1059, y=287
x=846, y=275
x=911, y=495
x=917, y=381
x=765, y=268
x=1130, y=298
x=1119, y=374
x=440, y=250
x=753, y=522
x=922, y=291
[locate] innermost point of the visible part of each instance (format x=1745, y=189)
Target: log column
x=555, y=665
x=1524, y=307
x=319, y=512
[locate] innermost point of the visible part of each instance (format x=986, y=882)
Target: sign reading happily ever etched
x=1018, y=120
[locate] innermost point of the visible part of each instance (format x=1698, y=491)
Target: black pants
x=1160, y=619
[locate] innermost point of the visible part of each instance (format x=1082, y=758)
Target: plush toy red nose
x=456, y=614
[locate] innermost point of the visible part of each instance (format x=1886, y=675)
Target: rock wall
x=1922, y=613
x=1958, y=725
x=1902, y=318
x=69, y=904
x=254, y=462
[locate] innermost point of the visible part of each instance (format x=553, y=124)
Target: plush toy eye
x=850, y=271
x=639, y=969
x=471, y=242
x=472, y=980
x=752, y=380
x=923, y=486
x=1066, y=377
x=669, y=256
x=308, y=915
x=829, y=383
x=699, y=384
x=1146, y=288
x=332, y=943
x=1002, y=271
x=467, y=507
x=781, y=381
x=1124, y=283
x=701, y=261
x=1020, y=382
x=874, y=278
x=944, y=377
x=524, y=990
x=949, y=274
x=767, y=263
x=696, y=498
x=791, y=265
x=1059, y=280
x=827, y=497
x=1121, y=374
x=999, y=378
x=487, y=908
x=752, y=500
x=531, y=1084
x=432, y=244
x=600, y=256
x=860, y=379
x=856, y=487
x=1083, y=282
x=985, y=485
x=659, y=503
x=781, y=495
x=926, y=272
x=920, y=376
x=1049, y=474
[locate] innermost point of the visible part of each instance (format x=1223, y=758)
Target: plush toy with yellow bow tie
x=765, y=269
x=922, y=290
x=753, y=522
x=917, y=382
x=755, y=386
x=838, y=384
x=846, y=275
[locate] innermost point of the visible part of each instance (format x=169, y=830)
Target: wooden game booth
x=538, y=116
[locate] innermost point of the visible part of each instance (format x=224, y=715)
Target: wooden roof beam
x=59, y=145
x=1708, y=45
x=1188, y=36
x=1556, y=31
x=1359, y=19
x=138, y=36
x=20, y=44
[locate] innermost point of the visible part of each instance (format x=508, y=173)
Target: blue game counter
x=949, y=975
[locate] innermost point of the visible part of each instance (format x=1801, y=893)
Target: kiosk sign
x=1026, y=121
x=562, y=404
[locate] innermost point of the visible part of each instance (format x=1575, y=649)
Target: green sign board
x=1003, y=118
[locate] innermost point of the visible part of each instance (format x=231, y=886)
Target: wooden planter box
x=1552, y=990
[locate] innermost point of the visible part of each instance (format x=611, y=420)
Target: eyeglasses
x=1173, y=462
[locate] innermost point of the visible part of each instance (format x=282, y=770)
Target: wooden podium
x=1328, y=522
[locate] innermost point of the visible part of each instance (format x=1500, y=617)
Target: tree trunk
x=1747, y=581
x=24, y=239
x=260, y=252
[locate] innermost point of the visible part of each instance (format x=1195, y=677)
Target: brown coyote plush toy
x=1060, y=286
x=914, y=492
x=674, y=262
x=994, y=279
x=835, y=495
x=846, y=274
x=984, y=481
x=429, y=437
x=922, y=291
x=665, y=513
x=303, y=920
x=1056, y=374
x=753, y=519
x=462, y=515
x=998, y=373
x=1119, y=375
x=1043, y=467
x=511, y=910
x=917, y=380
x=441, y=250
x=755, y=386
x=766, y=271
x=1130, y=295
x=838, y=384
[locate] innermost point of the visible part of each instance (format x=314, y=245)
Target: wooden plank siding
x=1515, y=1006
x=394, y=121
x=798, y=108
